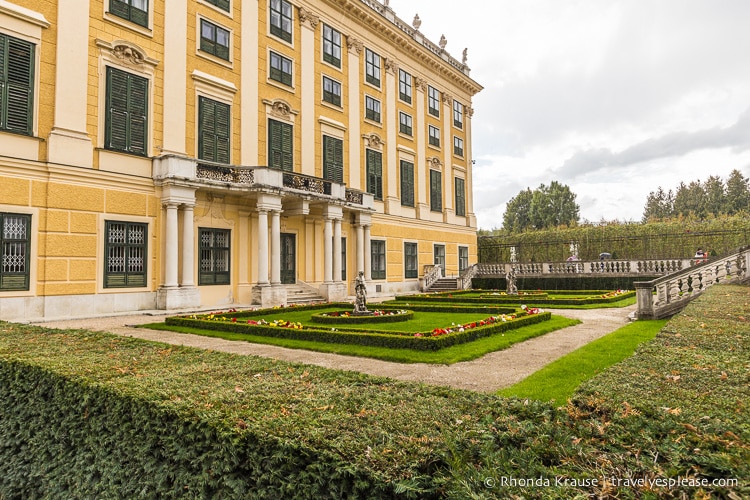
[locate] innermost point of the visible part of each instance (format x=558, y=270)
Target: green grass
x=558, y=381
x=447, y=356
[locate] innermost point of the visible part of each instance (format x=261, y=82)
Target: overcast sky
x=611, y=97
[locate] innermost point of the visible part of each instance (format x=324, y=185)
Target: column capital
x=308, y=19
x=469, y=111
x=447, y=98
x=420, y=84
x=354, y=45
x=391, y=65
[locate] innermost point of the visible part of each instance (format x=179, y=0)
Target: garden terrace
x=108, y=416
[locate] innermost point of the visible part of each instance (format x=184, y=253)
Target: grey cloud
x=736, y=136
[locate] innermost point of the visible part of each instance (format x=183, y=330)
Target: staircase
x=302, y=294
x=444, y=285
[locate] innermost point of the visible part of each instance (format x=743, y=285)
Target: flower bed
x=348, y=318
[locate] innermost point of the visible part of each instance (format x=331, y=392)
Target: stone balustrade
x=665, y=296
x=654, y=267
x=432, y=273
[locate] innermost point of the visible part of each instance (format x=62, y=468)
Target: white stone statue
x=417, y=22
x=443, y=42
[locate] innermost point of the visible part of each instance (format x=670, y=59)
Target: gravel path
x=487, y=374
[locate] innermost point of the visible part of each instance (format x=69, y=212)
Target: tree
x=690, y=199
x=545, y=207
x=738, y=193
x=517, y=211
x=715, y=197
x=658, y=205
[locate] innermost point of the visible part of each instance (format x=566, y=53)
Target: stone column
x=337, y=250
x=354, y=47
x=360, y=249
x=327, y=251
x=188, y=242
x=171, y=255
x=308, y=23
x=368, y=255
x=262, y=247
x=275, y=247
x=244, y=289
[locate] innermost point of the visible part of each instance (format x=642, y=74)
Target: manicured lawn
x=447, y=356
x=558, y=381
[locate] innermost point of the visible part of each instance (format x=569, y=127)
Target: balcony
x=233, y=178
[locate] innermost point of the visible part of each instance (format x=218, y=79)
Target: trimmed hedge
x=563, y=283
x=323, y=318
x=527, y=299
x=374, y=338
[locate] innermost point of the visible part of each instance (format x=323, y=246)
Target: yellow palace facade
x=171, y=154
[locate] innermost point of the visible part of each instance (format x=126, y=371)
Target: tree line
x=700, y=199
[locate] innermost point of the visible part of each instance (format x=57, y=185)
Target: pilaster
x=390, y=169
x=354, y=47
x=175, y=69
x=250, y=97
x=308, y=23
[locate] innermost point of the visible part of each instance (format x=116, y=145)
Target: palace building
x=176, y=154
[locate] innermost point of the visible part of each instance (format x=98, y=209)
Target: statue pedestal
x=333, y=292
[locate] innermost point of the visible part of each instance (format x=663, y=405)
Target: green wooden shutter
x=137, y=109
x=460, y=197
x=375, y=174
x=16, y=85
x=223, y=127
x=436, y=191
x=206, y=132
x=287, y=145
x=280, y=145
x=117, y=105
x=407, y=183
x=333, y=159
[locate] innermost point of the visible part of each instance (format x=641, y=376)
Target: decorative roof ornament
x=443, y=42
x=465, y=56
x=417, y=22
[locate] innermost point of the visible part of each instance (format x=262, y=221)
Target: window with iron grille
x=434, y=134
x=331, y=46
x=333, y=159
x=213, y=130
x=135, y=11
x=404, y=123
x=404, y=86
x=15, y=244
x=460, y=197
x=377, y=259
x=214, y=40
x=125, y=253
x=126, y=120
x=411, y=260
x=280, y=145
x=436, y=191
x=214, y=256
x=372, y=109
x=458, y=114
x=407, y=183
x=281, y=19
x=372, y=68
x=280, y=69
x=16, y=85
x=375, y=173
x=331, y=91
x=433, y=101
x=458, y=146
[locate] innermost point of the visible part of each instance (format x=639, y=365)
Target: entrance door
x=440, y=257
x=288, y=259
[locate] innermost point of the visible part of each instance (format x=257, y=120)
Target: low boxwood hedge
x=523, y=299
x=395, y=340
x=350, y=319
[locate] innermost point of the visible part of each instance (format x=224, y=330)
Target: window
x=222, y=4
x=404, y=123
x=404, y=86
x=372, y=109
x=411, y=267
x=281, y=19
x=331, y=46
x=15, y=241
x=125, y=254
x=433, y=101
x=331, y=91
x=126, y=122
x=135, y=11
x=436, y=191
x=214, y=40
x=407, y=183
x=463, y=259
x=439, y=257
x=281, y=69
x=375, y=173
x=377, y=259
x=214, y=260
x=16, y=85
x=458, y=114
x=333, y=159
x=372, y=68
x=434, y=136
x=213, y=130
x=458, y=146
x=280, y=145
x=460, y=197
